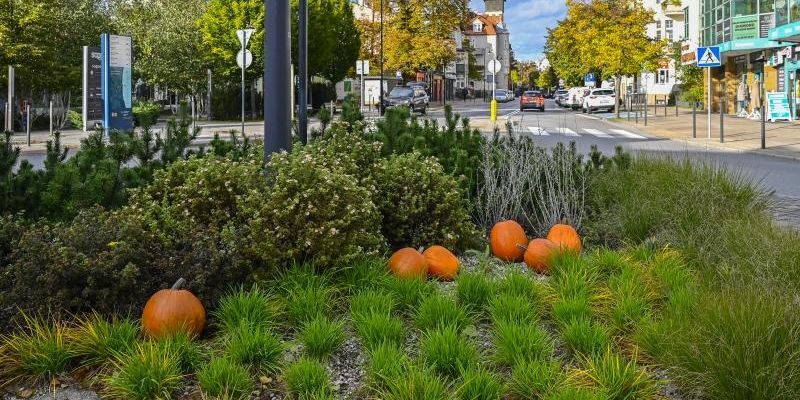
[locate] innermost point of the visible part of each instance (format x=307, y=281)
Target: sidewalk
x=741, y=135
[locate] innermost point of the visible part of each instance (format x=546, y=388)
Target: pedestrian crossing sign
x=708, y=57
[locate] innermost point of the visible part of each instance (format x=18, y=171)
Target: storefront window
x=781, y=12
x=767, y=6
x=794, y=10
x=744, y=7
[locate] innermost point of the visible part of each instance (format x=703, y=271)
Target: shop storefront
x=787, y=58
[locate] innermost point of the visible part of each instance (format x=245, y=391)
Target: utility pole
x=302, y=51
x=381, y=88
x=277, y=76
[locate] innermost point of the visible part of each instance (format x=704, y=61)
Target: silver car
x=501, y=96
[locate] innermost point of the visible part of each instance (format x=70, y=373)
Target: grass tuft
x=224, y=379
x=436, y=311
x=387, y=362
x=473, y=291
x=408, y=292
x=479, y=384
x=567, y=311
x=518, y=283
x=187, y=353
x=257, y=348
x=307, y=378
x=308, y=295
x=38, y=350
x=97, y=341
x=253, y=307
x=585, y=337
x=535, y=380
x=151, y=371
x=376, y=329
x=321, y=337
x=617, y=377
x=371, y=301
x=447, y=352
x=519, y=343
x=362, y=274
x=416, y=384
x=512, y=308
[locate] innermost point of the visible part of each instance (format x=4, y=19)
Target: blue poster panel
x=117, y=87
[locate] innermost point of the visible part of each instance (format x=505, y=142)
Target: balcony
x=673, y=11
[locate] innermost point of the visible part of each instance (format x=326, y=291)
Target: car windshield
x=401, y=92
x=532, y=93
x=500, y=92
x=562, y=92
x=603, y=92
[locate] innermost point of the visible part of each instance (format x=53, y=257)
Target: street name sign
x=708, y=57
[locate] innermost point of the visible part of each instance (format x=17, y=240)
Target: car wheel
x=424, y=111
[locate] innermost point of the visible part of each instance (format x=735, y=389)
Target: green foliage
x=455, y=145
x=225, y=380
x=386, y=362
x=361, y=274
x=420, y=204
x=584, y=337
x=535, y=380
x=351, y=110
x=572, y=392
x=251, y=308
x=97, y=340
x=184, y=350
x=377, y=329
x=520, y=284
x=256, y=347
x=145, y=113
x=473, y=291
x=617, y=377
x=520, y=342
x=308, y=296
x=479, y=384
x=570, y=310
x=151, y=371
x=75, y=119
x=447, y=352
x=38, y=350
x=321, y=337
x=417, y=383
x=307, y=377
x=371, y=301
x=512, y=309
x=439, y=311
x=408, y=292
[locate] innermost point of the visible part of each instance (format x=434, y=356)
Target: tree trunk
x=617, y=82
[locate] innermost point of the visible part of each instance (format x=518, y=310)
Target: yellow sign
x=493, y=110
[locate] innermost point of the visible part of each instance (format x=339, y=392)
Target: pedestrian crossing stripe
x=597, y=133
x=567, y=131
x=627, y=134
x=537, y=131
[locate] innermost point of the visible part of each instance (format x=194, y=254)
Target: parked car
x=575, y=97
x=560, y=96
x=531, y=99
x=501, y=96
x=414, y=98
x=599, y=99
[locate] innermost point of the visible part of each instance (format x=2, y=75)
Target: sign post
x=494, y=67
x=10, y=100
x=362, y=68
x=244, y=59
x=708, y=57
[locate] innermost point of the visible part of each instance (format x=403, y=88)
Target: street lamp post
x=277, y=77
x=302, y=51
x=381, y=81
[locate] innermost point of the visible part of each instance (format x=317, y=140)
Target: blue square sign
x=708, y=57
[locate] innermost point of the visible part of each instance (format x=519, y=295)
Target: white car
x=599, y=99
x=575, y=97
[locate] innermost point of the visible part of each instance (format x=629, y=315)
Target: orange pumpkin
x=539, y=253
x=565, y=237
x=442, y=263
x=408, y=262
x=173, y=309
x=507, y=241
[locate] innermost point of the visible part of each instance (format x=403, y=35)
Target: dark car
x=531, y=99
x=414, y=98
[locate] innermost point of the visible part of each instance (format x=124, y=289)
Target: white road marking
x=589, y=116
x=567, y=131
x=627, y=134
x=597, y=133
x=537, y=131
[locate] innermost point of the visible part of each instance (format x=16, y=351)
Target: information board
x=92, y=87
x=778, y=107
x=117, y=86
x=745, y=27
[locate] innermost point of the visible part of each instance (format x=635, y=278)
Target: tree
x=613, y=40
x=218, y=26
x=419, y=33
x=544, y=82
x=690, y=76
x=475, y=70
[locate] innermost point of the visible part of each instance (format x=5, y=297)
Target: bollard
x=28, y=123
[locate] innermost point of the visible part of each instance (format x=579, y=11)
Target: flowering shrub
x=314, y=211
x=420, y=204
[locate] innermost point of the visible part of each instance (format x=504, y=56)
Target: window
x=658, y=30
x=686, y=23
x=477, y=26
x=668, y=29
x=662, y=77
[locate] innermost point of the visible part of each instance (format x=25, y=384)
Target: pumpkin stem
x=179, y=284
x=522, y=246
x=421, y=248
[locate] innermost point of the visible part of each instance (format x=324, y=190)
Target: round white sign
x=247, y=59
x=494, y=66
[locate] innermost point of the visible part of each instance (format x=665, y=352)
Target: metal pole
x=708, y=71
x=194, y=116
x=645, y=109
x=381, y=88
x=244, y=64
x=302, y=52
x=723, y=99
x=28, y=122
x=10, y=100
x=277, y=74
x=763, y=115
x=208, y=106
x=51, y=117
x=694, y=119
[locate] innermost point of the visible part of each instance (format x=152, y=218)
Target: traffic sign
x=247, y=59
x=244, y=35
x=362, y=67
x=708, y=57
x=494, y=66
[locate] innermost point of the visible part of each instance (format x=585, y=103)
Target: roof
x=489, y=22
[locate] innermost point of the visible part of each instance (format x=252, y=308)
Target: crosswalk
x=591, y=132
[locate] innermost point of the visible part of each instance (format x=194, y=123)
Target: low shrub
x=420, y=205
x=321, y=337
x=149, y=372
x=447, y=352
x=145, y=113
x=306, y=378
x=38, y=350
x=223, y=379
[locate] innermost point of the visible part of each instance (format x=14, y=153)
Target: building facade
x=488, y=37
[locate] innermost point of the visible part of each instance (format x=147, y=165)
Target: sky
x=527, y=21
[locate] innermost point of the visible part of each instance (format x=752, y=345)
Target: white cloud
x=528, y=21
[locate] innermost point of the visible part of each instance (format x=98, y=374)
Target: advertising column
x=116, y=88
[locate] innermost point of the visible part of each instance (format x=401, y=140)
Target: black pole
x=645, y=109
x=694, y=119
x=723, y=100
x=380, y=106
x=277, y=77
x=302, y=51
x=763, y=115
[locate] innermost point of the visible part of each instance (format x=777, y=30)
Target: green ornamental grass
x=520, y=342
x=361, y=274
x=408, y=292
x=386, y=362
x=187, y=352
x=535, y=379
x=438, y=310
x=512, y=308
x=252, y=307
x=151, y=371
x=479, y=384
x=569, y=310
x=616, y=376
x=37, y=350
x=224, y=379
x=376, y=329
x=321, y=337
x=304, y=304
x=586, y=337
x=256, y=347
x=473, y=291
x=417, y=383
x=447, y=352
x=371, y=301
x=518, y=283
x=307, y=378
x=97, y=340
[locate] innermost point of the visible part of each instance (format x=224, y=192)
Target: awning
x=745, y=46
x=786, y=33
